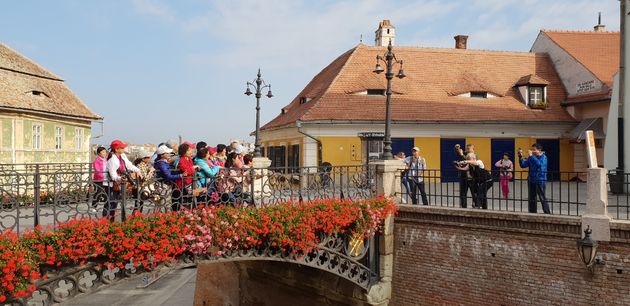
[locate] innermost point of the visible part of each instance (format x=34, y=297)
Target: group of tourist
x=189, y=170
x=474, y=177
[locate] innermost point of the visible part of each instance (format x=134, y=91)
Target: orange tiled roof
x=430, y=91
x=597, y=51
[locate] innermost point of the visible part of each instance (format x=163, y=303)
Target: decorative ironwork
x=47, y=195
x=336, y=254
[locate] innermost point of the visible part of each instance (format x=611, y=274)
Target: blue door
x=498, y=148
x=447, y=156
x=402, y=145
x=551, y=147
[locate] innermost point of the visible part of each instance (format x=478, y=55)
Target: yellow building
x=499, y=101
x=41, y=120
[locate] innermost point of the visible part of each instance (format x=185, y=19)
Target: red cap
x=117, y=144
x=190, y=144
x=212, y=150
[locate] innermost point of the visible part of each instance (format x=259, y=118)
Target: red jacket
x=186, y=164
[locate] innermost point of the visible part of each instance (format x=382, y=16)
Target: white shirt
x=415, y=169
x=113, y=164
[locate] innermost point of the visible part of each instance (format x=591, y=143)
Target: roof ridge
x=352, y=52
x=50, y=75
x=579, y=31
x=455, y=50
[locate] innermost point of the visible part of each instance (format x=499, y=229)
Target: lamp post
x=258, y=84
x=389, y=59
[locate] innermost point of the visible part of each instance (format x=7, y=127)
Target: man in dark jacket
x=537, y=177
x=465, y=179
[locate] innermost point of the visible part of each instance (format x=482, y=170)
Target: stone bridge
x=426, y=256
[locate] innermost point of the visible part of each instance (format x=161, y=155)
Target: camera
x=459, y=163
x=457, y=148
x=520, y=152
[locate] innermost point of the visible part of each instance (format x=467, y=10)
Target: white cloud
x=153, y=8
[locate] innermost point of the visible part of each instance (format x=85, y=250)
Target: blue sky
x=156, y=69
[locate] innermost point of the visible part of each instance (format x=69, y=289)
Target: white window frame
x=78, y=138
x=534, y=98
x=37, y=136
x=58, y=138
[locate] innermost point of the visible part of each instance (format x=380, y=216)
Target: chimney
x=460, y=41
x=599, y=27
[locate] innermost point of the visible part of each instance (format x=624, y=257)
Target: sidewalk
x=176, y=288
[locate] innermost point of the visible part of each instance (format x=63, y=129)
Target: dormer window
x=376, y=92
x=38, y=93
x=533, y=91
x=304, y=100
x=479, y=94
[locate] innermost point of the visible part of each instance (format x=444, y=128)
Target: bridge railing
x=565, y=191
x=49, y=194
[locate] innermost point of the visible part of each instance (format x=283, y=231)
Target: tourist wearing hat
x=162, y=165
x=506, y=168
x=143, y=162
x=118, y=165
x=416, y=165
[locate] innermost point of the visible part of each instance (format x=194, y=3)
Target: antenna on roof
x=599, y=27
x=361, y=39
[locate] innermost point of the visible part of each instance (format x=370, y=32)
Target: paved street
x=176, y=288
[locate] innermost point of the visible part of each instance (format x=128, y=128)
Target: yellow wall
x=341, y=151
x=430, y=150
x=482, y=149
x=566, y=159
x=287, y=143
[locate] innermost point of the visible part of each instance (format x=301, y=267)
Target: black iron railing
x=618, y=198
x=50, y=194
x=565, y=191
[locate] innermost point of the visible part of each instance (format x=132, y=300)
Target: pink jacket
x=100, y=167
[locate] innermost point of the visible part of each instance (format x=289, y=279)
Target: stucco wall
x=16, y=142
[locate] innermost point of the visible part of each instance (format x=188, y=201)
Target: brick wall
x=463, y=257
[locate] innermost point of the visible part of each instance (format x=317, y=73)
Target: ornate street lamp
x=258, y=84
x=389, y=59
x=587, y=248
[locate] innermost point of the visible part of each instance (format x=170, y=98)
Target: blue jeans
x=537, y=191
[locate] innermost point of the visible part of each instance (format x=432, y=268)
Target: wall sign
x=371, y=134
x=585, y=86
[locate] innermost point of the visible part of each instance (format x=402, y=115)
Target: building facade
x=498, y=101
x=41, y=120
x=586, y=62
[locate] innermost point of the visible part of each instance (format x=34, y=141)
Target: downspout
x=13, y=156
x=298, y=124
x=622, y=84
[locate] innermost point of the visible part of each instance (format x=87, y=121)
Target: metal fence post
x=123, y=200
x=36, y=199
